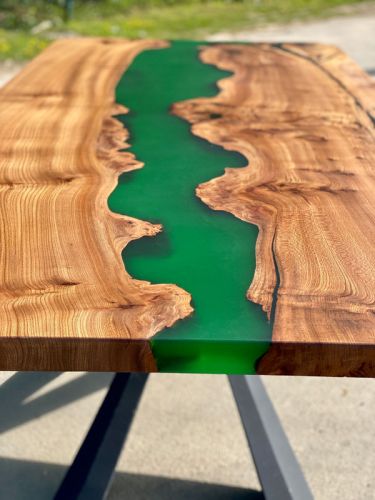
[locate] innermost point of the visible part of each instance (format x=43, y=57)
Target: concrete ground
x=355, y=34
x=187, y=441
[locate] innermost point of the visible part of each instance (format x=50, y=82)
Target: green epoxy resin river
x=209, y=253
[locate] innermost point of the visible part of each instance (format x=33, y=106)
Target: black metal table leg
x=90, y=475
x=279, y=472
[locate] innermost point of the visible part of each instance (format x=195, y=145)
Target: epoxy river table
x=188, y=207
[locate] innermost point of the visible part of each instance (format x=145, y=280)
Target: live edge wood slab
x=302, y=119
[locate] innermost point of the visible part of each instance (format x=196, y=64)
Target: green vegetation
x=27, y=26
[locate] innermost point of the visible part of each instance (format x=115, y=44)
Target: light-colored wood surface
x=65, y=296
x=302, y=117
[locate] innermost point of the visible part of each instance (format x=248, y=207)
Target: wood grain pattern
x=302, y=116
x=62, y=279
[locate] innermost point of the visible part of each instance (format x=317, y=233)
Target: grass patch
x=19, y=45
x=26, y=27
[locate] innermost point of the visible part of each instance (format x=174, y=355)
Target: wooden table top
x=188, y=207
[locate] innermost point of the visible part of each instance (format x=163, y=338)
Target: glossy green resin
x=211, y=254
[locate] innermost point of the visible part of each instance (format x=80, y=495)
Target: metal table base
x=89, y=477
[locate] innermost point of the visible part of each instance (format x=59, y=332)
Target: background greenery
x=27, y=26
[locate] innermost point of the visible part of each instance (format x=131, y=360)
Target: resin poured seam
x=209, y=254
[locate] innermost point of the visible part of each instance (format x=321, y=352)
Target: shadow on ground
x=16, y=409
x=29, y=480
x=26, y=480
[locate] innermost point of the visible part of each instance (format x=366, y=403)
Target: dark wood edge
x=318, y=359
x=41, y=354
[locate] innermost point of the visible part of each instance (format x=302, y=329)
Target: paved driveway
x=355, y=34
